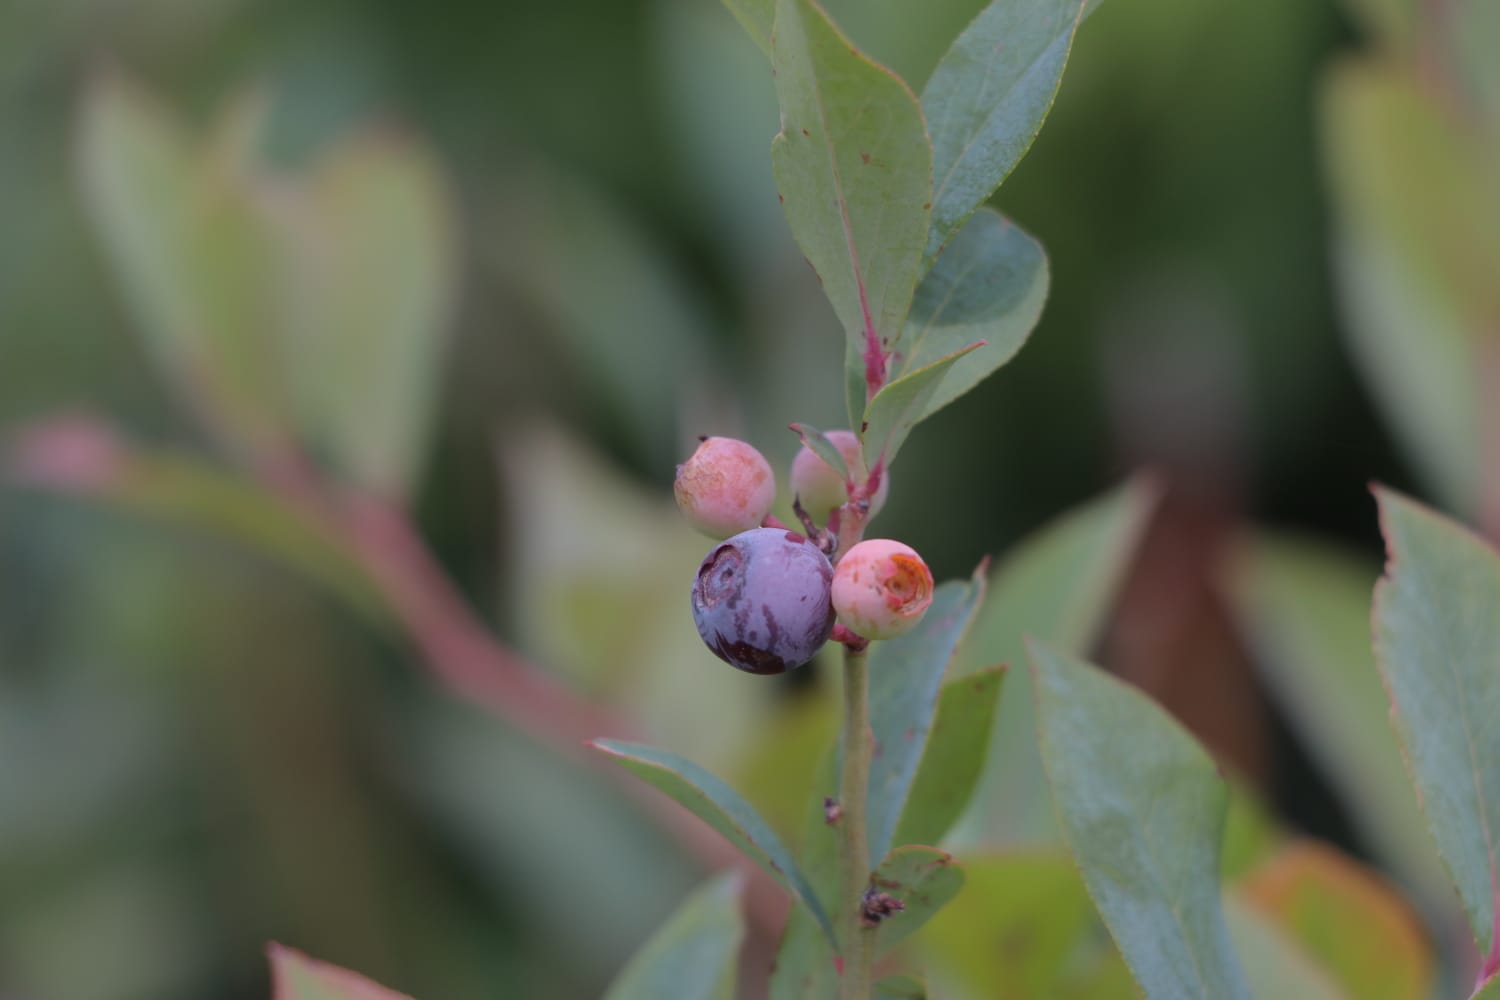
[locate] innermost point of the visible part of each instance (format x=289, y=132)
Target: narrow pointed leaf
x=1142, y=810
x=955, y=754
x=906, y=679
x=695, y=954
x=854, y=168
x=294, y=976
x=900, y=405
x=989, y=285
x=721, y=807
x=823, y=448
x=986, y=100
x=756, y=17
x=924, y=879
x=1058, y=584
x=1437, y=627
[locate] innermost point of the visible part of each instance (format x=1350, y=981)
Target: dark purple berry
x=761, y=600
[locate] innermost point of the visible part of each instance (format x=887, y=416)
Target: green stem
x=854, y=853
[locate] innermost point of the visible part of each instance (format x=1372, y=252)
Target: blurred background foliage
x=499, y=264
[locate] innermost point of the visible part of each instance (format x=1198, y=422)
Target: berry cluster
x=767, y=598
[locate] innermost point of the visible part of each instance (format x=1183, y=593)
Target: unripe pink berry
x=881, y=588
x=726, y=487
x=818, y=485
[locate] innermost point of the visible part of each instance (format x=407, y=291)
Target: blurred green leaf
x=986, y=101
x=693, y=955
x=296, y=977
x=1023, y=929
x=718, y=805
x=1305, y=606
x=1355, y=926
x=1393, y=22
x=924, y=879
x=1436, y=631
x=854, y=168
x=193, y=254
x=1417, y=274
x=1250, y=832
x=953, y=758
x=608, y=288
x=1142, y=811
x=989, y=285
x=804, y=968
x=1489, y=991
x=368, y=280
x=901, y=404
x=1058, y=584
x=906, y=680
x=900, y=988
x=1274, y=965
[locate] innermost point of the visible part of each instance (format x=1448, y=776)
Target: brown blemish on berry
x=907, y=584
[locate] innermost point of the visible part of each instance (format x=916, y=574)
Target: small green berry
x=819, y=487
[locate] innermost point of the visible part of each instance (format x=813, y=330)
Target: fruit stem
x=857, y=939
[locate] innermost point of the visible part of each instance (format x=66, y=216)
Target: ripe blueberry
x=725, y=487
x=881, y=588
x=761, y=600
x=819, y=487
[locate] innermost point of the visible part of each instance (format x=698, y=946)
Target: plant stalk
x=857, y=940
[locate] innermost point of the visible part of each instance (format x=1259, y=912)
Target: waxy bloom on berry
x=725, y=487
x=819, y=486
x=761, y=602
x=881, y=588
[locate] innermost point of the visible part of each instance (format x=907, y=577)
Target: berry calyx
x=761, y=600
x=725, y=487
x=881, y=588
x=819, y=486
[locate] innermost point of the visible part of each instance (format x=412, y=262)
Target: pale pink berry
x=819, y=486
x=726, y=487
x=881, y=588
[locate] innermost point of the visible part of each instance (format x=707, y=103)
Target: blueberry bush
x=980, y=811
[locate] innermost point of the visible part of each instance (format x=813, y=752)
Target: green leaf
x=1142, y=810
x=718, y=805
x=1058, y=585
x=986, y=101
x=756, y=16
x=900, y=405
x=294, y=976
x=906, y=679
x=1489, y=991
x=989, y=285
x=1024, y=928
x=1274, y=965
x=1305, y=606
x=955, y=754
x=369, y=288
x=1437, y=626
x=854, y=168
x=1416, y=274
x=193, y=255
x=823, y=448
x=1345, y=918
x=693, y=955
x=924, y=879
x=805, y=962
x=900, y=988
